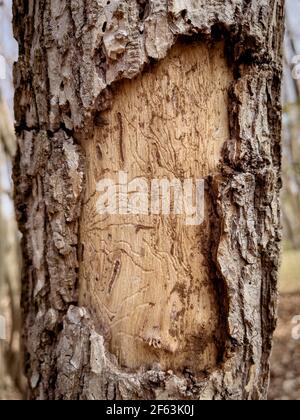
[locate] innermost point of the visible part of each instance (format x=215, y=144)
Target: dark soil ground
x=285, y=362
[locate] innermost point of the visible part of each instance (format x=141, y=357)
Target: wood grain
x=146, y=278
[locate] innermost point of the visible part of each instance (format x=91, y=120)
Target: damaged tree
x=144, y=306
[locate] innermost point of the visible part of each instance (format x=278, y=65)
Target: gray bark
x=72, y=53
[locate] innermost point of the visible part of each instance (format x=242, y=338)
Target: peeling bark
x=73, y=59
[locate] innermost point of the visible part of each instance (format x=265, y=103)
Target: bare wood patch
x=146, y=278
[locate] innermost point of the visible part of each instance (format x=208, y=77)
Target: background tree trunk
x=204, y=102
x=10, y=262
x=11, y=379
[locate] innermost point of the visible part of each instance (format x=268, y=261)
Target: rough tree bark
x=147, y=308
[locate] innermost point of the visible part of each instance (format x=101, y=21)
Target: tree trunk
x=139, y=306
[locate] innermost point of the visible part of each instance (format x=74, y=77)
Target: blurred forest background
x=285, y=364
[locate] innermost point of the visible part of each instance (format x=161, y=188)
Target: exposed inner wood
x=146, y=277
